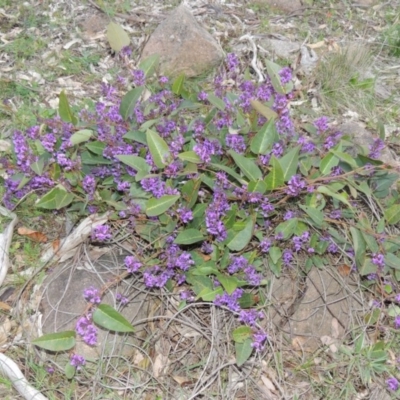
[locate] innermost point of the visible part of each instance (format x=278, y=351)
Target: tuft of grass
x=391, y=38
x=344, y=81
x=24, y=46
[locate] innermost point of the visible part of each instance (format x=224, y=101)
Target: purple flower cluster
x=376, y=148
x=85, y=328
x=236, y=143
x=259, y=340
x=92, y=295
x=207, y=148
x=321, y=124
x=217, y=209
x=379, y=260
x=295, y=185
x=392, y=384
x=101, y=233
x=230, y=301
x=132, y=264
x=285, y=75
x=250, y=317
x=77, y=361
x=299, y=241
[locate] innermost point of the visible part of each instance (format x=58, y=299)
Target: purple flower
x=238, y=263
x=287, y=257
x=259, y=339
x=252, y=277
x=397, y=297
x=207, y=148
x=122, y=299
x=375, y=148
x=378, y=260
x=265, y=245
x=232, y=61
x=321, y=124
x=163, y=80
x=250, y=317
x=126, y=51
x=92, y=295
x=206, y=248
x=285, y=75
x=289, y=215
x=89, y=184
x=202, y=96
x=101, y=233
x=48, y=141
x=86, y=330
x=132, y=264
x=139, y=77
x=236, y=143
x=392, y=384
x=230, y=301
x=397, y=322
x=185, y=214
x=295, y=185
x=335, y=214
x=77, y=361
x=155, y=277
x=332, y=248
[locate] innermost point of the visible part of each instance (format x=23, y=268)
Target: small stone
x=183, y=45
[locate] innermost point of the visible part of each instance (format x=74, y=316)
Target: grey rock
x=63, y=302
x=183, y=45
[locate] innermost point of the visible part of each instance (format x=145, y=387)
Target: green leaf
x=38, y=166
x=149, y=65
x=247, y=166
x=263, y=110
x=287, y=228
x=190, y=192
x=341, y=197
x=60, y=341
x=229, y=283
x=96, y=147
x=69, y=370
x=275, y=178
x=177, y=85
x=392, y=261
x=189, y=236
x=275, y=254
x=372, y=244
x=241, y=334
x=392, y=214
x=247, y=300
x=205, y=269
x=276, y=268
x=208, y=294
x=92, y=159
x=347, y=158
x=56, y=199
x=359, y=246
x=137, y=136
x=128, y=102
x=264, y=138
x=257, y=187
x=158, y=206
x=137, y=163
x=117, y=37
x=109, y=318
x=242, y=238
x=316, y=215
x=81, y=136
x=229, y=171
x=216, y=101
x=158, y=149
x=64, y=110
x=327, y=163
x=190, y=156
x=243, y=351
x=289, y=163
x=199, y=283
x=367, y=267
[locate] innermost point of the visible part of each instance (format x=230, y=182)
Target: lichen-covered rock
x=183, y=45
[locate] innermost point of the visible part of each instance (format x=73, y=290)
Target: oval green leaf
x=392, y=214
x=129, y=101
x=137, y=163
x=241, y=239
x=243, y=351
x=64, y=109
x=242, y=333
x=117, y=37
x=264, y=138
x=158, y=148
x=189, y=236
x=149, y=65
x=156, y=207
x=247, y=166
x=109, y=318
x=60, y=341
x=190, y=156
x=81, y=136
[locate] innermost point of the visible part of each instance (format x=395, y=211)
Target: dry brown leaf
x=4, y=306
x=344, y=270
x=55, y=245
x=181, y=380
x=317, y=45
x=36, y=236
